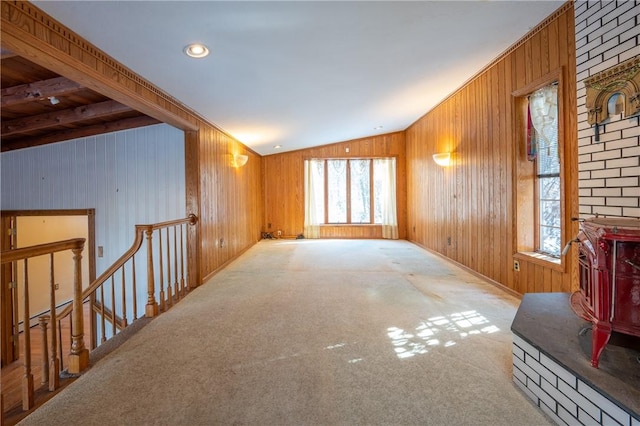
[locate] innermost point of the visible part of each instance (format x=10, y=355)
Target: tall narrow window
x=360, y=191
x=543, y=150
x=336, y=191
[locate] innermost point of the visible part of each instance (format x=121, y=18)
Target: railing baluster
x=124, y=298
x=70, y=333
x=53, y=370
x=151, y=310
x=16, y=314
x=135, y=293
x=113, y=306
x=169, y=291
x=79, y=357
x=162, y=300
x=176, y=290
x=182, y=284
x=45, y=353
x=102, y=320
x=60, y=344
x=93, y=319
x=27, y=379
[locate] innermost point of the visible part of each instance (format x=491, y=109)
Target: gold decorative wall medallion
x=622, y=79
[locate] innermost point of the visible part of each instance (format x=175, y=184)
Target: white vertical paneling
x=130, y=177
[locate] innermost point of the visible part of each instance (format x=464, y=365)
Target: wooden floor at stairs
x=11, y=376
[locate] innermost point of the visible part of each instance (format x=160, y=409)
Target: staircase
x=144, y=282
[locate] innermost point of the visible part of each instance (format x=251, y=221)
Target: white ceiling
x=305, y=73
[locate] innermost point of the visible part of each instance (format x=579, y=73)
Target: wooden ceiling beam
x=65, y=135
x=34, y=35
x=67, y=116
x=24, y=93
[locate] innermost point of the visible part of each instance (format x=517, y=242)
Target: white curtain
x=388, y=197
x=313, y=198
x=543, y=104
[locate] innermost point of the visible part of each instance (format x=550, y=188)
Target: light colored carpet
x=314, y=332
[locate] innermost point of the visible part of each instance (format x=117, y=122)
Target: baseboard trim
x=227, y=263
x=471, y=271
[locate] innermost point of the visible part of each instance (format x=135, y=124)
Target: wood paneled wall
x=231, y=206
x=467, y=212
x=284, y=185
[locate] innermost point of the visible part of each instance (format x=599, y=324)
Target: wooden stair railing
x=113, y=296
x=78, y=351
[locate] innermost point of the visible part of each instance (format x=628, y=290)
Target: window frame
x=537, y=183
x=372, y=213
x=348, y=192
x=526, y=196
x=537, y=223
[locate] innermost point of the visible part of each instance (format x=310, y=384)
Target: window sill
x=547, y=261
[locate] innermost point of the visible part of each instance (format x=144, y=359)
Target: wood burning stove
x=609, y=263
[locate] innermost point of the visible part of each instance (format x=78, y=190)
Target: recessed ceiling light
x=378, y=128
x=277, y=146
x=196, y=50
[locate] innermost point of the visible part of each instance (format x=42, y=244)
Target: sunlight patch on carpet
x=443, y=331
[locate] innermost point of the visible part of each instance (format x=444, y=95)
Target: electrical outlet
x=56, y=286
x=221, y=242
x=448, y=241
x=516, y=266
x=279, y=233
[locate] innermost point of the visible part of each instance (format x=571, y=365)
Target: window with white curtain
x=350, y=191
x=543, y=151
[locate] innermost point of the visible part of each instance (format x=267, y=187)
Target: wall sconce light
x=442, y=158
x=240, y=160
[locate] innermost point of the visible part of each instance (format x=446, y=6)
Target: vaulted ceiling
x=295, y=74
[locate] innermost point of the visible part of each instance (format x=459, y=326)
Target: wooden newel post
x=193, y=253
x=151, y=309
x=79, y=356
